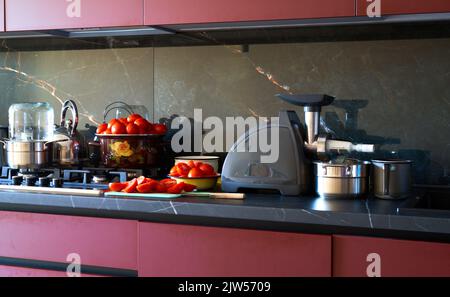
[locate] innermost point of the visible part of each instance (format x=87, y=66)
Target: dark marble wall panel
x=402, y=88
x=93, y=78
x=395, y=93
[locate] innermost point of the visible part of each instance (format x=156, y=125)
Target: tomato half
x=131, y=187
x=117, y=187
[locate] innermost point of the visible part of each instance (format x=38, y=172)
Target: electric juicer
x=299, y=145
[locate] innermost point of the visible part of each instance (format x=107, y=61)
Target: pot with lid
x=342, y=178
x=30, y=141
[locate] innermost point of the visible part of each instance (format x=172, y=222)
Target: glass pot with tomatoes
x=131, y=142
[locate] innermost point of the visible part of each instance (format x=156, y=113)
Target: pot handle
x=120, y=105
x=386, y=175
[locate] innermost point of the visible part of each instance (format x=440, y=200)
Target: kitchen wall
x=395, y=93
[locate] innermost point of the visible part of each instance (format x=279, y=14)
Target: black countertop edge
x=233, y=223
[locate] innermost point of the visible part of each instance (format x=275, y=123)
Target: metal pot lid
x=348, y=168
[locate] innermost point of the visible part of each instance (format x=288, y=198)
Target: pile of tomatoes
x=192, y=169
x=134, y=124
x=144, y=184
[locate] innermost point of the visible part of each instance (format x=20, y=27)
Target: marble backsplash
x=395, y=93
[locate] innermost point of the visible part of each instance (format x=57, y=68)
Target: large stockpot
x=392, y=178
x=28, y=154
x=348, y=179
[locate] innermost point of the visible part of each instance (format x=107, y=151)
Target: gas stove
x=72, y=178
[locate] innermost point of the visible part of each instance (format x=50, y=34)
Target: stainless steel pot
x=348, y=179
x=28, y=154
x=392, y=178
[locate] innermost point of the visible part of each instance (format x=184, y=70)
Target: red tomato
x=123, y=121
x=131, y=187
x=183, y=169
x=159, y=129
x=101, y=128
x=195, y=172
x=132, y=129
x=133, y=117
x=207, y=169
x=142, y=180
x=117, y=187
x=108, y=131
x=174, y=171
x=189, y=187
x=198, y=163
x=118, y=128
x=191, y=163
x=143, y=124
x=176, y=189
x=111, y=123
x=150, y=187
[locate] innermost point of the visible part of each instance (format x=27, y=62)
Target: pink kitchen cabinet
x=406, y=6
x=396, y=257
x=184, y=250
x=163, y=12
x=99, y=242
x=2, y=15
x=65, y=14
x=11, y=271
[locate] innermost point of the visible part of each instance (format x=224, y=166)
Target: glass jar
x=31, y=122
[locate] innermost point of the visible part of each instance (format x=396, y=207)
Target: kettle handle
x=386, y=175
x=70, y=105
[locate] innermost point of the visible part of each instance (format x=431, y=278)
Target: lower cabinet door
x=364, y=256
x=11, y=271
x=183, y=250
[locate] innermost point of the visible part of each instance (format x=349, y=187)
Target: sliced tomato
x=168, y=182
x=176, y=189
x=131, y=187
x=189, y=187
x=161, y=188
x=117, y=187
x=141, y=180
x=150, y=187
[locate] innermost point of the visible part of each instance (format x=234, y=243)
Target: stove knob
x=58, y=182
x=44, y=182
x=17, y=180
x=30, y=181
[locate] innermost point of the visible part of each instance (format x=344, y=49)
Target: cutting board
x=173, y=196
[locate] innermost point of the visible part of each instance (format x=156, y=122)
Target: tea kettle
x=74, y=150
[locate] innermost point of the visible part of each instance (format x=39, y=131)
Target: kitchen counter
x=366, y=217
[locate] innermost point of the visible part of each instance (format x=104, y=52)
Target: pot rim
x=392, y=161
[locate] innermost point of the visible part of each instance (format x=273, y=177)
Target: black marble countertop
x=366, y=217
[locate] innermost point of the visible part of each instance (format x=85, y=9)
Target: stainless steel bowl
x=349, y=179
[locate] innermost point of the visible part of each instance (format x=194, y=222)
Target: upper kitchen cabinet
x=68, y=14
x=168, y=12
x=406, y=6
